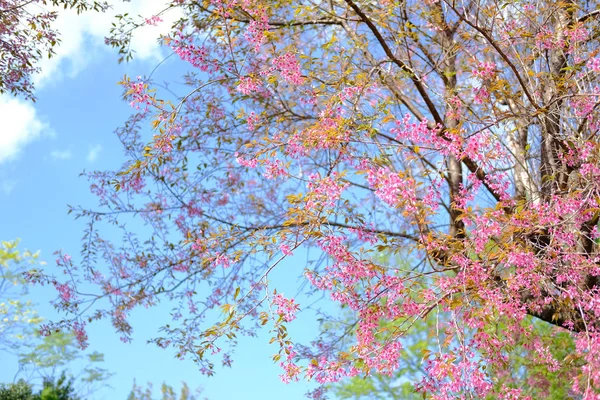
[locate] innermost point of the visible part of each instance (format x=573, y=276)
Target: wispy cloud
x=20, y=126
x=61, y=154
x=93, y=153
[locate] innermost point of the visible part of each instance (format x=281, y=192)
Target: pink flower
x=594, y=64
x=248, y=85
x=393, y=189
x=349, y=93
x=289, y=68
x=80, y=334
x=481, y=95
x=325, y=191
x=578, y=34
x=255, y=32
x=485, y=70
x=245, y=162
x=252, y=120
x=285, y=249
x=138, y=93
x=188, y=51
x=65, y=292
x=287, y=308
x=454, y=109
x=274, y=169
x=153, y=20
x=223, y=260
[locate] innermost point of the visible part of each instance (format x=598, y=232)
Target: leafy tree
x=18, y=319
x=55, y=353
x=61, y=389
x=167, y=393
x=38, y=356
x=16, y=391
x=462, y=135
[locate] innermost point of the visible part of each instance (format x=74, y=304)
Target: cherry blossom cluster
x=249, y=85
x=274, y=168
x=328, y=132
x=594, y=64
x=187, y=51
x=153, y=20
x=394, y=189
x=324, y=192
x=255, y=31
x=289, y=68
x=286, y=308
x=485, y=70
x=137, y=91
x=422, y=134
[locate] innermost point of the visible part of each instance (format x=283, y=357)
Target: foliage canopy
x=460, y=135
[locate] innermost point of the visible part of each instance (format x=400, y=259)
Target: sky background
x=44, y=146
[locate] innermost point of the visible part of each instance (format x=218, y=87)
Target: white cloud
x=93, y=153
x=20, y=126
x=61, y=154
x=82, y=37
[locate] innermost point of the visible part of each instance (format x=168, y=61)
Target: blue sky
x=43, y=149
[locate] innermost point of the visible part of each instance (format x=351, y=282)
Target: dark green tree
x=16, y=391
x=59, y=389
